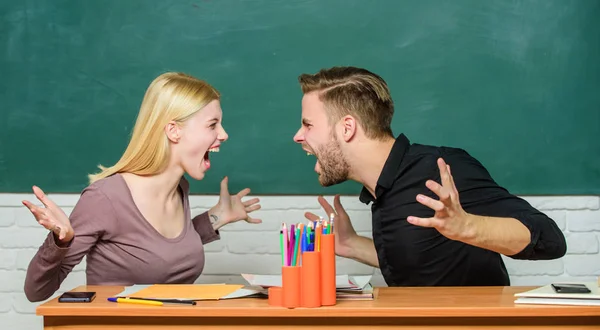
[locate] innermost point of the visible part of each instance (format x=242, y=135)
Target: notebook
x=546, y=295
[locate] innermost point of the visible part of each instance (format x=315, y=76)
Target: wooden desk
x=397, y=308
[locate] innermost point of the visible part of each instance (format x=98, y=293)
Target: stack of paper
x=360, y=288
x=347, y=287
x=547, y=296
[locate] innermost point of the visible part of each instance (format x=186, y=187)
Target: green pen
x=296, y=246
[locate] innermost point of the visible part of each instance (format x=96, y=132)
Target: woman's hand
x=231, y=209
x=51, y=216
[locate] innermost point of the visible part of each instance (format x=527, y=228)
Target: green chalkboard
x=515, y=83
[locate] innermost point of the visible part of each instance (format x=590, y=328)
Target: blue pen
x=135, y=301
x=304, y=244
x=306, y=241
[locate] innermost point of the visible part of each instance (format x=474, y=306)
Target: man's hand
x=450, y=219
x=342, y=227
x=348, y=243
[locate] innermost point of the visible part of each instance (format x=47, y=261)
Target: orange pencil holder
x=291, y=286
x=275, y=296
x=310, y=294
x=328, y=292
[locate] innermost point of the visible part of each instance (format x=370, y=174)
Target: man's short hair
x=353, y=91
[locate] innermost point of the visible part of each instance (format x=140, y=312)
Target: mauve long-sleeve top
x=121, y=246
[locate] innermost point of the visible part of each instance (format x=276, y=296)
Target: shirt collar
x=390, y=171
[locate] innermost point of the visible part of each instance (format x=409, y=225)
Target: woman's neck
x=161, y=188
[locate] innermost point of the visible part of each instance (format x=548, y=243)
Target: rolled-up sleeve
x=205, y=229
x=480, y=195
x=547, y=240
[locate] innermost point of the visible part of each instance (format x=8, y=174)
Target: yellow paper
x=187, y=291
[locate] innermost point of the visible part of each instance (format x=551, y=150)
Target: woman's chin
x=197, y=175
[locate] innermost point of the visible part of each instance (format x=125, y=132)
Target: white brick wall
x=243, y=245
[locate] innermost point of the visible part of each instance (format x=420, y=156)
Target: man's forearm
x=363, y=250
x=506, y=236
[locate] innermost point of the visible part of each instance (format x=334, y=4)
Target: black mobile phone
x=77, y=297
x=570, y=288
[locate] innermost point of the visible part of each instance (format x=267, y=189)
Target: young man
x=423, y=234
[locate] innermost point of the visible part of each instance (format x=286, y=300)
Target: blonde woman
x=133, y=221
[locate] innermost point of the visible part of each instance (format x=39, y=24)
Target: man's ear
x=173, y=131
x=348, y=127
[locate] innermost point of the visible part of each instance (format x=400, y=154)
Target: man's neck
x=367, y=160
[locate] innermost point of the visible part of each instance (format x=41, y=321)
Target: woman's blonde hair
x=172, y=96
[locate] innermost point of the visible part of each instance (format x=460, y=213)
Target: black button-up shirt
x=411, y=255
